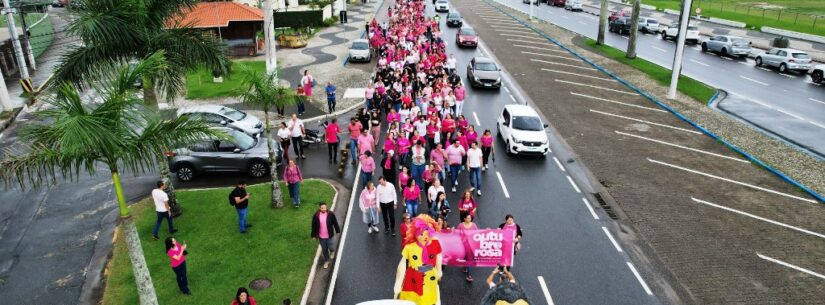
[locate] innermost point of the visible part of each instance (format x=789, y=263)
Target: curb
x=92, y=289
x=314, y=267
x=651, y=98
x=343, y=239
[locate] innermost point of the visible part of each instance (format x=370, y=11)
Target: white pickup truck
x=672, y=32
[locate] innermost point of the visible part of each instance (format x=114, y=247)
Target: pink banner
x=477, y=248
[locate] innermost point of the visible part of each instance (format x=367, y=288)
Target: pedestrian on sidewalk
x=332, y=139
x=299, y=100
x=403, y=178
x=242, y=297
x=354, y=128
x=177, y=256
x=455, y=154
x=342, y=15
x=367, y=167
x=324, y=228
x=512, y=227
x=412, y=196
x=368, y=202
x=474, y=162
x=239, y=198
x=284, y=136
x=330, y=90
x=467, y=224
x=293, y=178
x=162, y=209
x=486, y=147
x=296, y=129
x=467, y=205
x=307, y=82
x=387, y=203
x=403, y=144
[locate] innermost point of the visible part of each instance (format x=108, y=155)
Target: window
x=782, y=53
x=466, y=31
x=529, y=123
x=203, y=147
x=233, y=114
x=800, y=55
x=360, y=46
x=486, y=66
x=723, y=39
x=241, y=140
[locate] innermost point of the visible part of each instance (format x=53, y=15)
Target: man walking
x=239, y=198
x=324, y=228
x=454, y=155
x=354, y=132
x=387, y=200
x=419, y=162
x=296, y=129
x=330, y=90
x=474, y=164
x=161, y=200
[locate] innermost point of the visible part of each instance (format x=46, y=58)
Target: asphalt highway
x=565, y=248
x=786, y=104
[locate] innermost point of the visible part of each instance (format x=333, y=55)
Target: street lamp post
x=680, y=49
x=269, y=44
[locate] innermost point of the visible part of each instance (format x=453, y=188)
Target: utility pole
x=531, y=9
x=602, y=22
x=5, y=101
x=680, y=49
x=15, y=40
x=634, y=29
x=269, y=44
x=27, y=34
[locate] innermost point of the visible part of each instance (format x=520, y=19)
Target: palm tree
x=263, y=91
x=80, y=136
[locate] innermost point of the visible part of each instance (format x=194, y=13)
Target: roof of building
x=219, y=14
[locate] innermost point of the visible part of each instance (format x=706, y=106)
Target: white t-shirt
x=283, y=133
x=159, y=196
x=474, y=157
x=451, y=63
x=433, y=191
x=298, y=125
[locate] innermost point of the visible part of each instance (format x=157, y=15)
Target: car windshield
x=441, y=2
x=530, y=123
x=453, y=16
x=692, y=28
x=800, y=55
x=360, y=46
x=739, y=41
x=232, y=113
x=486, y=66
x=242, y=140
x=467, y=32
x=652, y=21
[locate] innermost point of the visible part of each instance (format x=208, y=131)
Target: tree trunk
x=602, y=22
x=150, y=97
x=143, y=280
x=634, y=29
x=273, y=167
x=121, y=200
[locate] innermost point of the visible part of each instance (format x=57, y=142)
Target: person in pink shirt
x=393, y=116
x=403, y=177
x=403, y=145
x=368, y=96
x=455, y=154
x=439, y=157
x=462, y=124
x=176, y=254
x=354, y=128
x=459, y=98
x=331, y=137
x=412, y=196
x=471, y=134
x=486, y=147
x=467, y=205
x=367, y=167
x=368, y=202
x=467, y=224
x=365, y=142
x=389, y=142
x=324, y=228
x=293, y=179
x=447, y=128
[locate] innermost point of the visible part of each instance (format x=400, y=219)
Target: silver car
x=785, y=59
x=224, y=116
x=483, y=72
x=727, y=45
x=238, y=153
x=648, y=25
x=360, y=50
x=442, y=6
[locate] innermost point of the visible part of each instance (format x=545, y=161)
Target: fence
x=764, y=16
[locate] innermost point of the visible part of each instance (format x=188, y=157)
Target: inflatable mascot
x=420, y=268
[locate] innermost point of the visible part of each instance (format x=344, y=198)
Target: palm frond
x=42, y=165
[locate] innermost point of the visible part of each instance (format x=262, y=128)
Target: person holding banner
x=467, y=224
x=512, y=227
x=467, y=205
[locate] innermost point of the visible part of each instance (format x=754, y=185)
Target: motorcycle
x=313, y=136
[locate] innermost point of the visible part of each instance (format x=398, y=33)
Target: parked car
x=573, y=5
x=442, y=6
x=648, y=25
x=672, y=32
x=616, y=15
x=727, y=45
x=620, y=26
x=522, y=130
x=785, y=59
x=454, y=20
x=816, y=74
x=237, y=153
x=466, y=37
x=483, y=72
x=535, y=2
x=360, y=50
x=559, y=3
x=224, y=116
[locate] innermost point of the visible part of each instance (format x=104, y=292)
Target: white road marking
x=533, y=42
x=524, y=37
x=516, y=31
x=596, y=87
x=561, y=64
x=582, y=22
x=797, y=268
x=505, y=26
x=753, y=80
x=744, y=63
x=726, y=58
x=816, y=100
x=646, y=122
x=625, y=37
x=506, y=89
x=612, y=241
x=539, y=48
x=774, y=222
x=787, y=75
x=503, y=187
x=699, y=63
x=816, y=124
x=502, y=23
x=565, y=17
x=682, y=147
x=579, y=75
x=590, y=208
x=554, y=56
x=575, y=187
x=478, y=123
x=659, y=49
x=497, y=19
x=512, y=98
x=764, y=69
x=639, y=277
x=545, y=291
x=559, y=164
x=617, y=102
x=732, y=181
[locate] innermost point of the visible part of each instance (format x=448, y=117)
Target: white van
x=523, y=131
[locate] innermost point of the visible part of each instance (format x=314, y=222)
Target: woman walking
x=367, y=167
x=368, y=202
x=331, y=135
x=284, y=136
x=176, y=254
x=433, y=190
x=293, y=178
x=510, y=225
x=486, y=147
x=403, y=178
x=441, y=207
x=412, y=196
x=467, y=224
x=467, y=205
x=242, y=297
x=307, y=82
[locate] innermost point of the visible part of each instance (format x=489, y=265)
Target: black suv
x=454, y=20
x=620, y=26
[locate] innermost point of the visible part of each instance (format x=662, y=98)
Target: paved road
x=788, y=105
x=585, y=267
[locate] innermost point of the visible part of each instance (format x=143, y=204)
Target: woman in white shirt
x=404, y=112
x=433, y=191
x=449, y=102
x=284, y=136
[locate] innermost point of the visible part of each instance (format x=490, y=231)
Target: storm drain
x=260, y=284
x=606, y=207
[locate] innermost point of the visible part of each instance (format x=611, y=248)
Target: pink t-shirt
x=389, y=144
x=176, y=250
x=461, y=226
x=367, y=164
x=393, y=117
x=332, y=133
x=412, y=193
x=403, y=145
x=487, y=141
x=437, y=156
x=472, y=137
x=354, y=130
x=368, y=94
x=365, y=143
x=403, y=178
x=323, y=232
x=455, y=154
x=459, y=94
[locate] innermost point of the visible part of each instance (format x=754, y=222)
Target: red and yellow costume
x=420, y=268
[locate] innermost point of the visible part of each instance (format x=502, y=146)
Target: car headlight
x=475, y=78
x=498, y=80
x=516, y=140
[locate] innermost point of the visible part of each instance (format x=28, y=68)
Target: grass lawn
x=687, y=85
x=221, y=259
x=780, y=14
x=199, y=83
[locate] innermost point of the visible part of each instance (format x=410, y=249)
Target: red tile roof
x=219, y=14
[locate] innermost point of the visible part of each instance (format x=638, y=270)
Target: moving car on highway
x=466, y=37
x=237, y=153
x=817, y=73
x=672, y=32
x=785, y=59
x=522, y=130
x=727, y=45
x=573, y=5
x=360, y=50
x=648, y=25
x=620, y=26
x=483, y=72
x=217, y=115
x=442, y=6
x=454, y=20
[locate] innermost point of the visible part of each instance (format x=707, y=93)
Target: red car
x=559, y=3
x=616, y=15
x=466, y=37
